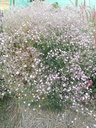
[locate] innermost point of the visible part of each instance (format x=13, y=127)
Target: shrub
x=48, y=56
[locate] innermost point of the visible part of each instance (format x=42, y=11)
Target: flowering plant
x=48, y=55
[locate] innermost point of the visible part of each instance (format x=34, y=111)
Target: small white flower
x=87, y=127
x=29, y=104
x=17, y=73
x=25, y=66
x=94, y=125
x=3, y=94
x=24, y=102
x=72, y=121
x=34, y=109
x=39, y=106
x=25, y=95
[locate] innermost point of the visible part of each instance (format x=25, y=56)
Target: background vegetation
x=4, y=4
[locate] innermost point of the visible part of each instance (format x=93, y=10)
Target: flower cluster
x=47, y=55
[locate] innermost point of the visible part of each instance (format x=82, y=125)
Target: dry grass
x=49, y=119
x=9, y=113
x=14, y=116
x=4, y=4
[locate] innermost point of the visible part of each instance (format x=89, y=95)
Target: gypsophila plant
x=48, y=56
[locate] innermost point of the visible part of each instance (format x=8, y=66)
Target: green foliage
x=55, y=5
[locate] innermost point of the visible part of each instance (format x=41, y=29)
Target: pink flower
x=18, y=52
x=95, y=96
x=25, y=54
x=90, y=83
